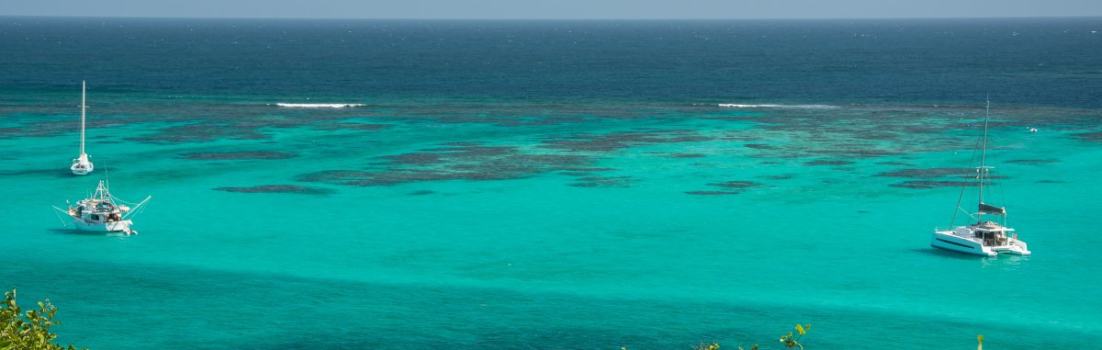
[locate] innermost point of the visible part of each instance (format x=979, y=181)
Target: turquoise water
x=421, y=220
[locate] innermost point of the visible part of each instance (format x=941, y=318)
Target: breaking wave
x=318, y=105
x=768, y=105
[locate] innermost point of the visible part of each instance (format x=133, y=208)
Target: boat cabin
x=991, y=233
x=96, y=212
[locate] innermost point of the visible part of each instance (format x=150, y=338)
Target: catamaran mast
x=983, y=156
x=83, y=108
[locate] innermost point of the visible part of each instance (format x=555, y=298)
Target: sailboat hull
x=81, y=169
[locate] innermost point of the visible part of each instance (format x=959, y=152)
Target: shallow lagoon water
x=433, y=221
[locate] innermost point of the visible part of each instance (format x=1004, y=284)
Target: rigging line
x=967, y=213
x=120, y=200
x=953, y=219
x=63, y=224
x=983, y=158
x=140, y=209
x=960, y=197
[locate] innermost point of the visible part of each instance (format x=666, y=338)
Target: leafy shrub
x=30, y=330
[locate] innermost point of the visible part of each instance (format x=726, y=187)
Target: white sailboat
x=103, y=212
x=985, y=237
x=81, y=164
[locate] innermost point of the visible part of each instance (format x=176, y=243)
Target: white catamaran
x=103, y=212
x=985, y=237
x=81, y=164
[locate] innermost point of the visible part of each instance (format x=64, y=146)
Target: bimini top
x=991, y=226
x=991, y=209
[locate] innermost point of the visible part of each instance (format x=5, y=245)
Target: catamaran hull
x=1015, y=247
x=948, y=241
x=117, y=226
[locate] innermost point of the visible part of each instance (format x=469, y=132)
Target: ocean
x=553, y=184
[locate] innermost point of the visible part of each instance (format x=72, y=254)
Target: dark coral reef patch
x=779, y=177
x=735, y=184
x=295, y=189
x=828, y=162
x=927, y=184
x=602, y=181
x=1090, y=136
x=1032, y=161
x=712, y=193
x=203, y=132
x=471, y=162
x=238, y=155
x=616, y=141
x=571, y=155
x=929, y=172
x=926, y=178
x=728, y=188
x=687, y=155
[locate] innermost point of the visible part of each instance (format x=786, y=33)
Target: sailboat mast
x=983, y=155
x=83, y=108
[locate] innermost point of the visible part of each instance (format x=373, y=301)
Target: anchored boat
x=103, y=212
x=989, y=236
x=81, y=164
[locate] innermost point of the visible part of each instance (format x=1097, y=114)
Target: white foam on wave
x=319, y=105
x=772, y=105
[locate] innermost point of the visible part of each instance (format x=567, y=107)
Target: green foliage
x=711, y=346
x=791, y=340
x=715, y=346
x=30, y=330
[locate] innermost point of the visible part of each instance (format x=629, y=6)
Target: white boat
x=985, y=237
x=81, y=164
x=103, y=212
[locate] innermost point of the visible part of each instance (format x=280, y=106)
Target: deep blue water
x=1031, y=61
x=553, y=184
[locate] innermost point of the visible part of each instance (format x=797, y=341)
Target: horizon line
x=557, y=19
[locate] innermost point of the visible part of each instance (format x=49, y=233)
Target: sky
x=554, y=9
